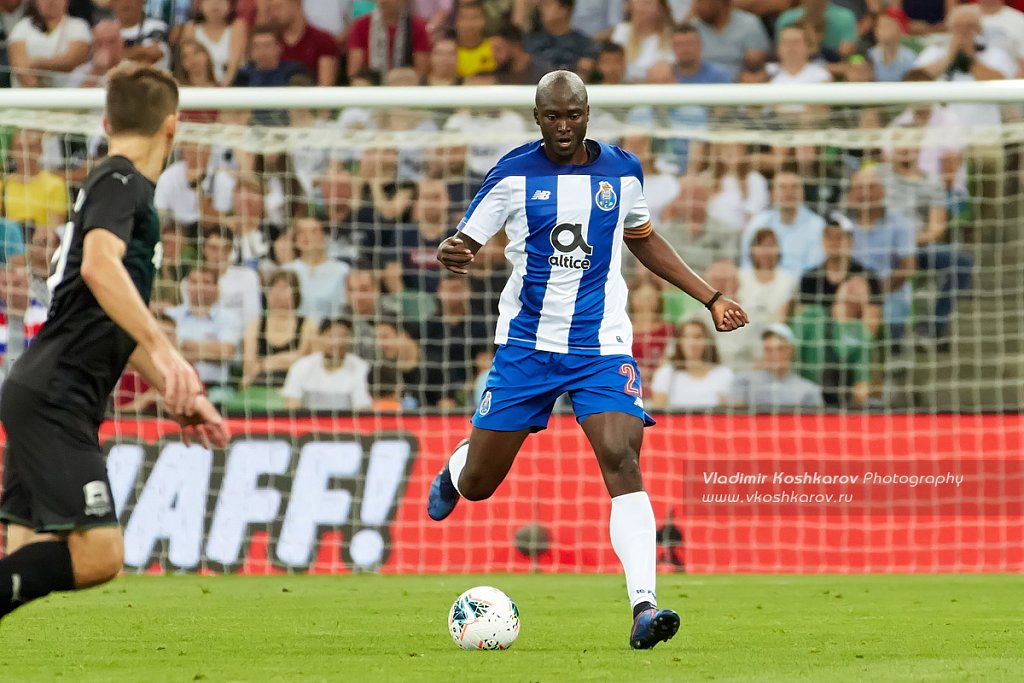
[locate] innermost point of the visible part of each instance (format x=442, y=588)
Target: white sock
x=457, y=462
x=634, y=533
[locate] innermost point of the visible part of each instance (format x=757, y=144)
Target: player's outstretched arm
x=104, y=273
x=661, y=259
x=457, y=252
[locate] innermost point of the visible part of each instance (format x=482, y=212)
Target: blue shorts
x=524, y=384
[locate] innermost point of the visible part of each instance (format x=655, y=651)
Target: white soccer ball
x=484, y=618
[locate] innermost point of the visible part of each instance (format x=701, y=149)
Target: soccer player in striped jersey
x=568, y=205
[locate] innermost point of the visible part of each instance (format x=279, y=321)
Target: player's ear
x=536, y=116
x=106, y=126
x=170, y=126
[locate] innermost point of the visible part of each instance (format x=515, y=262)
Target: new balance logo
x=541, y=194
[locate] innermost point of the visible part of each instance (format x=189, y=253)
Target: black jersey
x=79, y=354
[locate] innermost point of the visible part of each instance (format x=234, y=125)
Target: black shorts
x=54, y=472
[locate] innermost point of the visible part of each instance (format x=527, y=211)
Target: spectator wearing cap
x=513, y=64
x=332, y=377
x=890, y=58
x=1003, y=27
x=391, y=36
x=776, y=385
x=690, y=65
x=731, y=37
x=840, y=24
x=304, y=43
x=557, y=43
x=798, y=228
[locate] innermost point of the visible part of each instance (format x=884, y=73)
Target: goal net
x=868, y=419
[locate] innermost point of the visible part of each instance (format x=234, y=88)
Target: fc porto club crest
x=605, y=197
x=485, y=405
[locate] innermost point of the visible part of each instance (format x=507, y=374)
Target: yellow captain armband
x=638, y=232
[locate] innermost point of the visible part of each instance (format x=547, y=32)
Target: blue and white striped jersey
x=565, y=224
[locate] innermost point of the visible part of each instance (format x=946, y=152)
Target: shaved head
x=561, y=85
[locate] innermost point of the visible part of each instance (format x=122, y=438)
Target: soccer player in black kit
x=62, y=529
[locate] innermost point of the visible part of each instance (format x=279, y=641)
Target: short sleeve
x=928, y=56
x=904, y=242
x=420, y=36
x=740, y=389
x=78, y=29
x=489, y=209
x=359, y=37
x=813, y=397
x=662, y=380
x=20, y=32
x=637, y=223
x=110, y=206
x=757, y=36
x=293, y=380
x=997, y=59
x=361, y=399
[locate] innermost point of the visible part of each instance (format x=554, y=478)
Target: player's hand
x=454, y=255
x=728, y=315
x=205, y=425
x=181, y=383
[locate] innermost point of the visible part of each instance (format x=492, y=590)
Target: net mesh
x=899, y=449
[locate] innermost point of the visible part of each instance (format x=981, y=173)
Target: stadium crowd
x=308, y=279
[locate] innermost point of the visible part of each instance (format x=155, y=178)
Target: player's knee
x=621, y=461
x=474, y=487
x=97, y=556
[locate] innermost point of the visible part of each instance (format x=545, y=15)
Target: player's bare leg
x=616, y=439
x=19, y=536
x=474, y=470
x=45, y=563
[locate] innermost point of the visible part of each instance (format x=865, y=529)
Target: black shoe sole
x=663, y=628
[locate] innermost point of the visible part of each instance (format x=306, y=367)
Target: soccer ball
x=484, y=618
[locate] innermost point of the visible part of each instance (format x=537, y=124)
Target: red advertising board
x=812, y=493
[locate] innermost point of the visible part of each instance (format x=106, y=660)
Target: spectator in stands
x=646, y=37
x=823, y=175
x=321, y=280
x=966, y=57
x=364, y=308
x=389, y=196
x=209, y=335
x=776, y=385
x=738, y=351
x=191, y=193
x=1003, y=28
x=451, y=340
x=765, y=290
x=921, y=198
x=798, y=228
x=239, y=286
x=890, y=58
x=22, y=314
x=12, y=240
x=397, y=348
x=730, y=36
x=483, y=361
x=660, y=187
x=691, y=229
x=476, y=55
x=557, y=43
x=42, y=245
x=514, y=65
x=492, y=133
x=216, y=28
x=926, y=16
x=385, y=389
x=266, y=69
x=253, y=236
x=106, y=52
x=690, y=65
x=651, y=333
x=597, y=18
x=279, y=337
x=46, y=45
x=144, y=38
x=420, y=241
x=883, y=240
x=391, y=36
x=33, y=195
x=794, y=64
x=693, y=377
x=819, y=286
x=840, y=23
x=193, y=67
x=740, y=191
x=444, y=62
x=174, y=13
x=11, y=12
x=835, y=345
x=332, y=377
x=305, y=44
x=434, y=12
x=610, y=67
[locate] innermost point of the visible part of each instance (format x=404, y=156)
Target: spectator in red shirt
x=388, y=38
x=304, y=43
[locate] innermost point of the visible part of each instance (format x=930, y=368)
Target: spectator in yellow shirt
x=475, y=53
x=32, y=193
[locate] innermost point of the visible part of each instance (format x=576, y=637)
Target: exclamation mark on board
x=384, y=476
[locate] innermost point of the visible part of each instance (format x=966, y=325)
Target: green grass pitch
x=574, y=628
